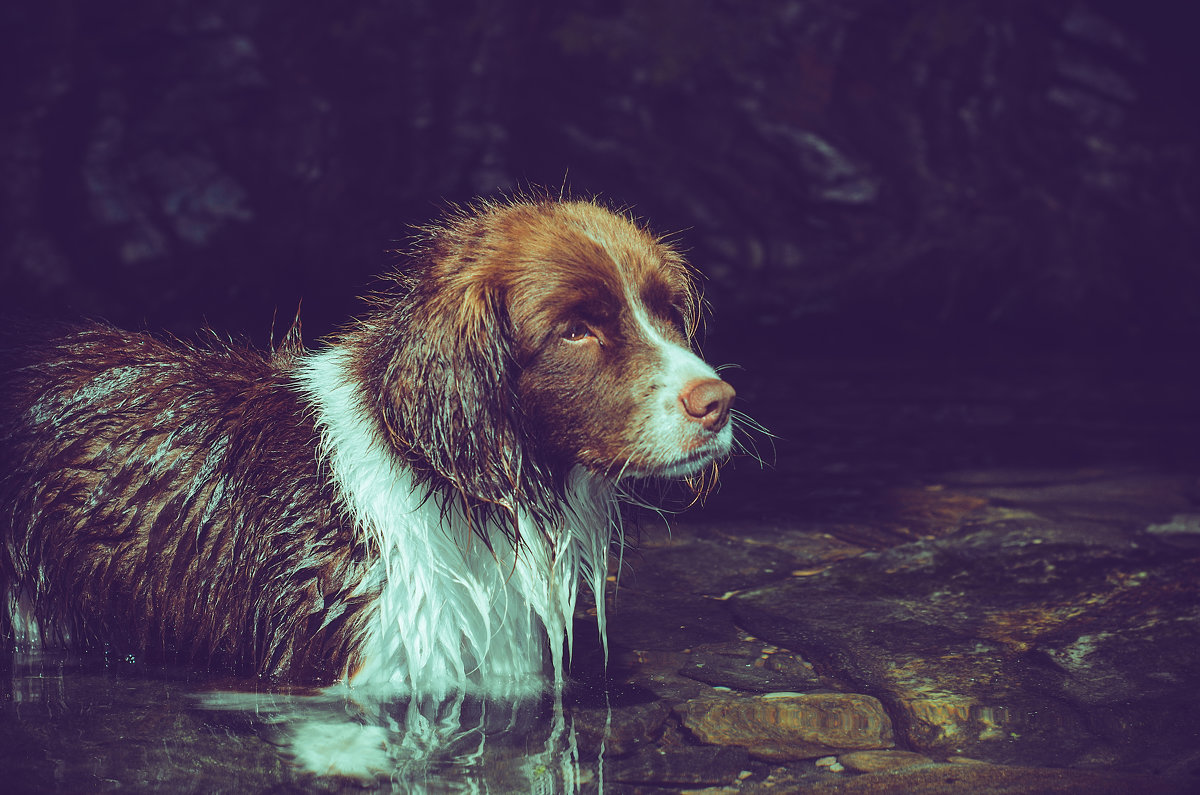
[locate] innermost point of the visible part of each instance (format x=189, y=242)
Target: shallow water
x=71, y=725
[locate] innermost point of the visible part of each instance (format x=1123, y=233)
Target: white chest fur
x=453, y=615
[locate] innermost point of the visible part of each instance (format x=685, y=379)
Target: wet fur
x=412, y=505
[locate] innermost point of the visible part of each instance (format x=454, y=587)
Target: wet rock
x=808, y=543
x=1182, y=530
x=652, y=621
x=784, y=778
x=881, y=519
x=705, y=562
x=782, y=726
x=927, y=512
x=1104, y=667
x=881, y=761
x=678, y=766
x=1132, y=498
x=656, y=606
x=658, y=672
x=1033, y=640
x=985, y=779
x=622, y=730
x=755, y=667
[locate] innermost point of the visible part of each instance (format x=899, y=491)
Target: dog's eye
x=577, y=332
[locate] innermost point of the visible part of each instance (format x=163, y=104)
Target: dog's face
x=533, y=337
x=604, y=315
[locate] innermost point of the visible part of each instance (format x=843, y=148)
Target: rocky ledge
x=1026, y=629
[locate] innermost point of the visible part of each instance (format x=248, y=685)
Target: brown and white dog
x=411, y=506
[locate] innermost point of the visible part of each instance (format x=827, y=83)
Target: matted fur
x=412, y=505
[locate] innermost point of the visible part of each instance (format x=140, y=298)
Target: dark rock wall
x=899, y=174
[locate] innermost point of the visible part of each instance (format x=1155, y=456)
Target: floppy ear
x=451, y=408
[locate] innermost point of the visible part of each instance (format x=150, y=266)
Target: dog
x=413, y=505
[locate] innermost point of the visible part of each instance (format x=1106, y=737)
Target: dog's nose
x=707, y=402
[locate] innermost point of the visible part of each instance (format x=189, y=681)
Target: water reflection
x=77, y=726
x=457, y=744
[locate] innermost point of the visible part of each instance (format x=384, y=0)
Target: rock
x=703, y=561
x=620, y=730
x=810, y=544
x=786, y=778
x=928, y=512
x=782, y=726
x=1183, y=530
x=881, y=761
x=985, y=779
x=651, y=621
x=756, y=667
x=678, y=766
x=1133, y=498
x=1180, y=524
x=658, y=672
x=1034, y=640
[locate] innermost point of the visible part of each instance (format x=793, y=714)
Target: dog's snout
x=708, y=402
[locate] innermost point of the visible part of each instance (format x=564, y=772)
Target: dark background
x=863, y=175
x=983, y=185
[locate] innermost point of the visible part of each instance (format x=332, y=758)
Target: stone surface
x=717, y=562
x=658, y=672
x=882, y=761
x=1035, y=633
x=756, y=667
x=1000, y=780
x=782, y=726
x=675, y=767
x=1183, y=530
x=668, y=622
x=622, y=730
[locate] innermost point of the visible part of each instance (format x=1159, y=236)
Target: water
x=73, y=726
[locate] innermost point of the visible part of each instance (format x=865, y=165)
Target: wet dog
x=412, y=505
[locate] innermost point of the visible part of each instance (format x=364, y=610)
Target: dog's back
x=158, y=497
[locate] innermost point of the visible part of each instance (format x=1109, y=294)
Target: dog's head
x=532, y=337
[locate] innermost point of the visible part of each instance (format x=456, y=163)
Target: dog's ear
x=450, y=404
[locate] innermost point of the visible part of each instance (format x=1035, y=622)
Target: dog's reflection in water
x=458, y=743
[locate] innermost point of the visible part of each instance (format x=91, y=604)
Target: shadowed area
x=950, y=247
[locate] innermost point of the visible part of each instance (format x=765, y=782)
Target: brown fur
x=130, y=514
x=168, y=499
